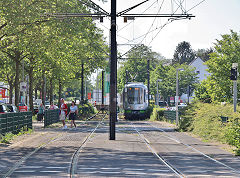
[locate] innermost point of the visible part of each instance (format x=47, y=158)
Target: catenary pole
x=103, y=88
x=113, y=72
x=82, y=84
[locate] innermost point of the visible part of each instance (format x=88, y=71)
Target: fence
x=51, y=117
x=14, y=122
x=170, y=116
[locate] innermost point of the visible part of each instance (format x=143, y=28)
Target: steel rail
x=75, y=156
x=194, y=149
x=24, y=158
x=171, y=167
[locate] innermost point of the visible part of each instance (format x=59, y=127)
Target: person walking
x=73, y=114
x=63, y=113
x=52, y=106
x=40, y=114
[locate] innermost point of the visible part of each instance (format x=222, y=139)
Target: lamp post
x=234, y=78
x=177, y=97
x=157, y=99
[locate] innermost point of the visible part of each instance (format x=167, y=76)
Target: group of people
x=72, y=115
x=41, y=110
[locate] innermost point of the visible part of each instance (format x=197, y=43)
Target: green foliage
x=204, y=54
x=8, y=137
x=233, y=134
x=149, y=110
x=85, y=110
x=136, y=65
x=157, y=114
x=204, y=120
x=167, y=87
x=50, y=47
x=183, y=53
x=218, y=85
x=201, y=92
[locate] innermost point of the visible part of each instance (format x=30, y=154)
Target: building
x=202, y=73
x=200, y=69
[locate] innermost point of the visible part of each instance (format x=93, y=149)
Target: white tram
x=135, y=101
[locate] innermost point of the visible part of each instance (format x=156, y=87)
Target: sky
x=213, y=18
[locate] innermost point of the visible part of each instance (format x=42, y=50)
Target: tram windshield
x=135, y=95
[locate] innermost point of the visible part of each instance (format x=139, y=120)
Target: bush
x=85, y=110
x=204, y=120
x=233, y=134
x=157, y=114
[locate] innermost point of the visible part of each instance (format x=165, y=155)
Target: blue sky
x=213, y=18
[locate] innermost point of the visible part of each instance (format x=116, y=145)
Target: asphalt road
x=141, y=149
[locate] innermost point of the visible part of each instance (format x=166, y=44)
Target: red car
x=22, y=107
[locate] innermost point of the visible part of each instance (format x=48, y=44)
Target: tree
x=226, y=52
x=183, y=53
x=47, y=49
x=204, y=54
x=167, y=87
x=136, y=65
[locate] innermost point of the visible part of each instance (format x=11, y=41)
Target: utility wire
x=196, y=5
x=142, y=13
x=153, y=21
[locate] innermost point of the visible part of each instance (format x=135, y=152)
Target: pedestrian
x=40, y=114
x=73, y=114
x=63, y=113
x=52, y=106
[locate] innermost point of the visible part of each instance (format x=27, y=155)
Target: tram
x=135, y=101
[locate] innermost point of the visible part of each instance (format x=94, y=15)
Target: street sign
x=89, y=96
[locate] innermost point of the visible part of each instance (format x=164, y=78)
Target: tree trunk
x=51, y=90
x=59, y=92
x=35, y=92
x=11, y=86
x=10, y=92
x=42, y=89
x=16, y=83
x=31, y=88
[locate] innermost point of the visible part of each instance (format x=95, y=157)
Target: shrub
x=204, y=120
x=233, y=134
x=157, y=114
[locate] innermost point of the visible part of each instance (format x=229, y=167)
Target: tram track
x=194, y=149
x=168, y=136
x=75, y=156
x=161, y=158
x=24, y=159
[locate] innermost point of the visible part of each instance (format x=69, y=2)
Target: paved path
x=141, y=149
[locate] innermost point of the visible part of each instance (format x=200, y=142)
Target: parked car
x=3, y=108
x=22, y=107
x=12, y=108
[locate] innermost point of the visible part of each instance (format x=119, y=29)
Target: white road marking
x=109, y=172
x=109, y=168
x=132, y=169
x=25, y=171
x=158, y=170
x=135, y=173
x=87, y=168
x=31, y=167
x=56, y=167
x=51, y=171
x=93, y=172
x=198, y=171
